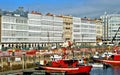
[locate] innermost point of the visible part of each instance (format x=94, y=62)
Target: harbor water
x=94, y=71
x=100, y=71
x=105, y=71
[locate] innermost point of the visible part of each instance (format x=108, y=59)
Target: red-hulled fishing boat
x=114, y=60
x=69, y=66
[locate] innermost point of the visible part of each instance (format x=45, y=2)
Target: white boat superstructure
x=97, y=65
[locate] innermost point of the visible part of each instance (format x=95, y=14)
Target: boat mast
x=64, y=47
x=74, y=47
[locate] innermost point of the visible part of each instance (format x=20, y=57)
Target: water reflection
x=94, y=71
x=116, y=70
x=107, y=71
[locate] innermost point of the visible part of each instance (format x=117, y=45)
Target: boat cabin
x=55, y=57
x=64, y=63
x=57, y=61
x=116, y=57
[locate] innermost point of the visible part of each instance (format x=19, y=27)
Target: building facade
x=45, y=29
x=67, y=27
x=84, y=31
x=77, y=30
x=111, y=23
x=37, y=30
x=14, y=30
x=0, y=27
x=99, y=30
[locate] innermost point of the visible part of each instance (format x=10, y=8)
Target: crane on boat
x=116, y=48
x=115, y=35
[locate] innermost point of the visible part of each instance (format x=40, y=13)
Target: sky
x=76, y=8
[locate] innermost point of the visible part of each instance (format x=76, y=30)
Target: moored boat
x=67, y=66
x=114, y=61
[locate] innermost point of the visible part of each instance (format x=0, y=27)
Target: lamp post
x=74, y=48
x=23, y=60
x=82, y=39
x=48, y=41
x=2, y=63
x=83, y=45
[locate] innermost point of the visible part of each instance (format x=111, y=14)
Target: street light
x=23, y=60
x=83, y=45
x=74, y=48
x=82, y=39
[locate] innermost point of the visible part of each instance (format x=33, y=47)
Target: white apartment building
x=45, y=29
x=31, y=31
x=76, y=33
x=111, y=23
x=14, y=30
x=84, y=31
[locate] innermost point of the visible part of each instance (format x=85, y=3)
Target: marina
x=46, y=62
x=51, y=37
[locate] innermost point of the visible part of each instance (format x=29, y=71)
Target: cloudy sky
x=78, y=8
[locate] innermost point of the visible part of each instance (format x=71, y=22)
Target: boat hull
x=112, y=62
x=73, y=70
